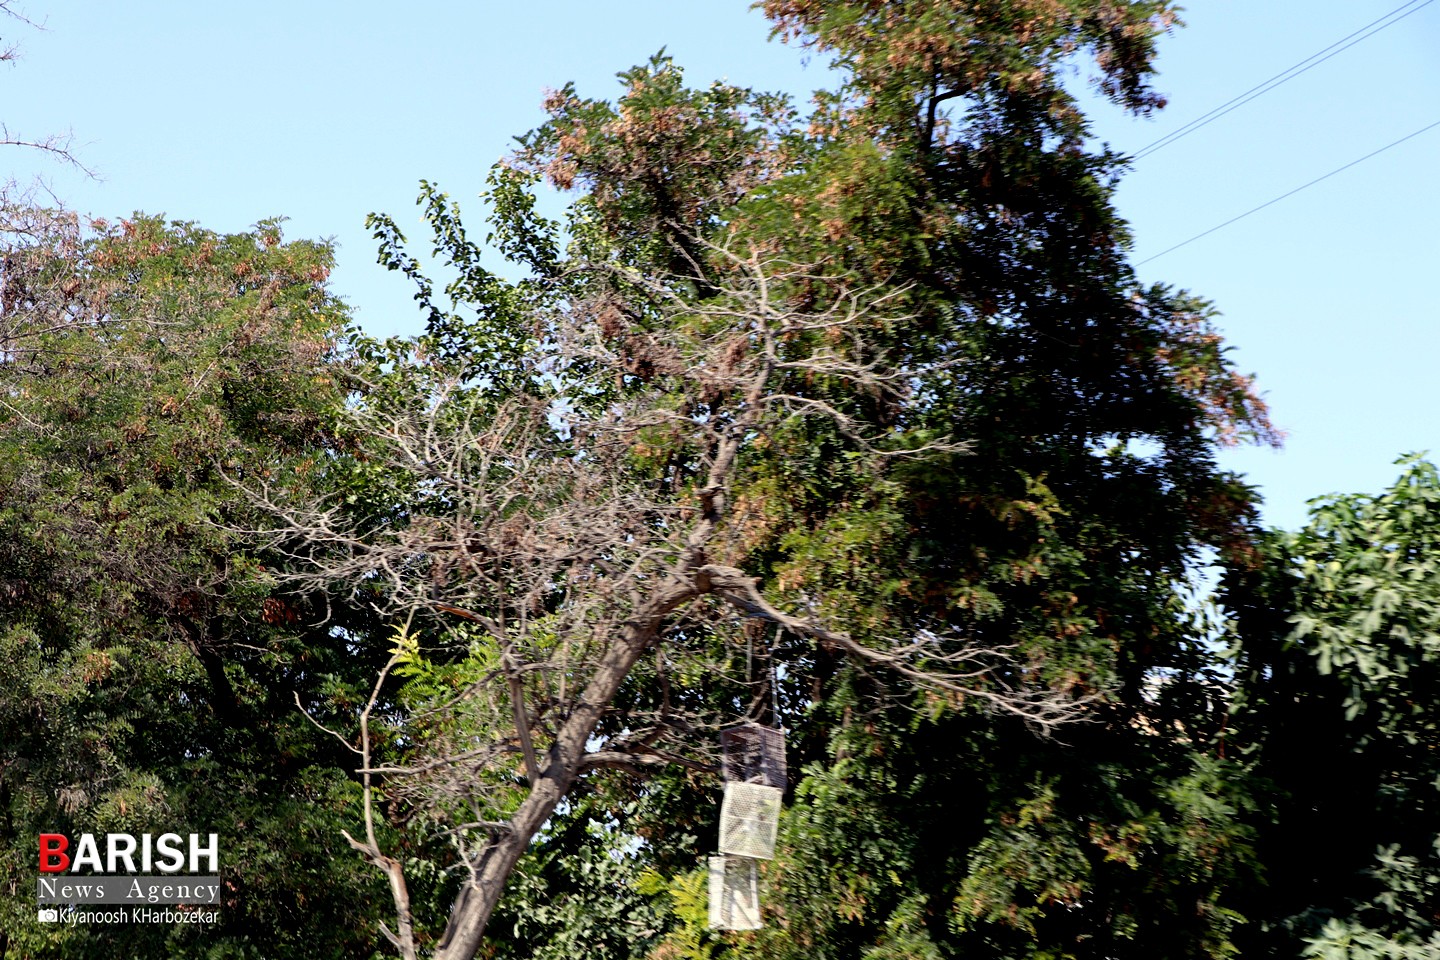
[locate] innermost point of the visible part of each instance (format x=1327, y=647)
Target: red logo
x=53, y=858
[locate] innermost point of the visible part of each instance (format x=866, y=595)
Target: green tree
x=149, y=669
x=1339, y=658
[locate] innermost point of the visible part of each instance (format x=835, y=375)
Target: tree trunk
x=477, y=900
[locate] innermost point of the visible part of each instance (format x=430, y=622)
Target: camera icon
x=49, y=915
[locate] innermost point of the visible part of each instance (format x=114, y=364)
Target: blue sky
x=322, y=111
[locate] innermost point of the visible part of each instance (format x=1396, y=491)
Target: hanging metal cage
x=734, y=894
x=752, y=753
x=749, y=818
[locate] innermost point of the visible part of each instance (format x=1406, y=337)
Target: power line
x=1284, y=76
x=1291, y=193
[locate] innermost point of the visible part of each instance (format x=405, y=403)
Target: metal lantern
x=734, y=894
x=749, y=817
x=752, y=753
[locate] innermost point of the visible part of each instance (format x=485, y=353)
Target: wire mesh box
x=749, y=817
x=734, y=894
x=751, y=753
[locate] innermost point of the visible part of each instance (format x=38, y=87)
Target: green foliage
x=584, y=890
x=150, y=665
x=1364, y=606
x=688, y=905
x=965, y=841
x=1334, y=706
x=1008, y=447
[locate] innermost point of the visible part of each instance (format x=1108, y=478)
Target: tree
x=880, y=381
x=148, y=672
x=1339, y=666
x=526, y=500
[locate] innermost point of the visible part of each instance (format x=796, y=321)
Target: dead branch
x=538, y=521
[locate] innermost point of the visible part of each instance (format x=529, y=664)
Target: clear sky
x=321, y=111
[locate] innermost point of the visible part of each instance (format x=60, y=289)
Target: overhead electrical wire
x=1291, y=193
x=1284, y=76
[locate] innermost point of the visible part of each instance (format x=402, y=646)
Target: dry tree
x=580, y=520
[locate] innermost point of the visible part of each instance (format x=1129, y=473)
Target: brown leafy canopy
x=141, y=359
x=980, y=49
x=665, y=165
x=973, y=219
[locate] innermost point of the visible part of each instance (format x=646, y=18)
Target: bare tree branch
x=534, y=518
x=58, y=147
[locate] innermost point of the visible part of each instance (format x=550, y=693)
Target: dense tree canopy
x=851, y=419
x=1337, y=641
x=883, y=367
x=149, y=673
x=955, y=171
